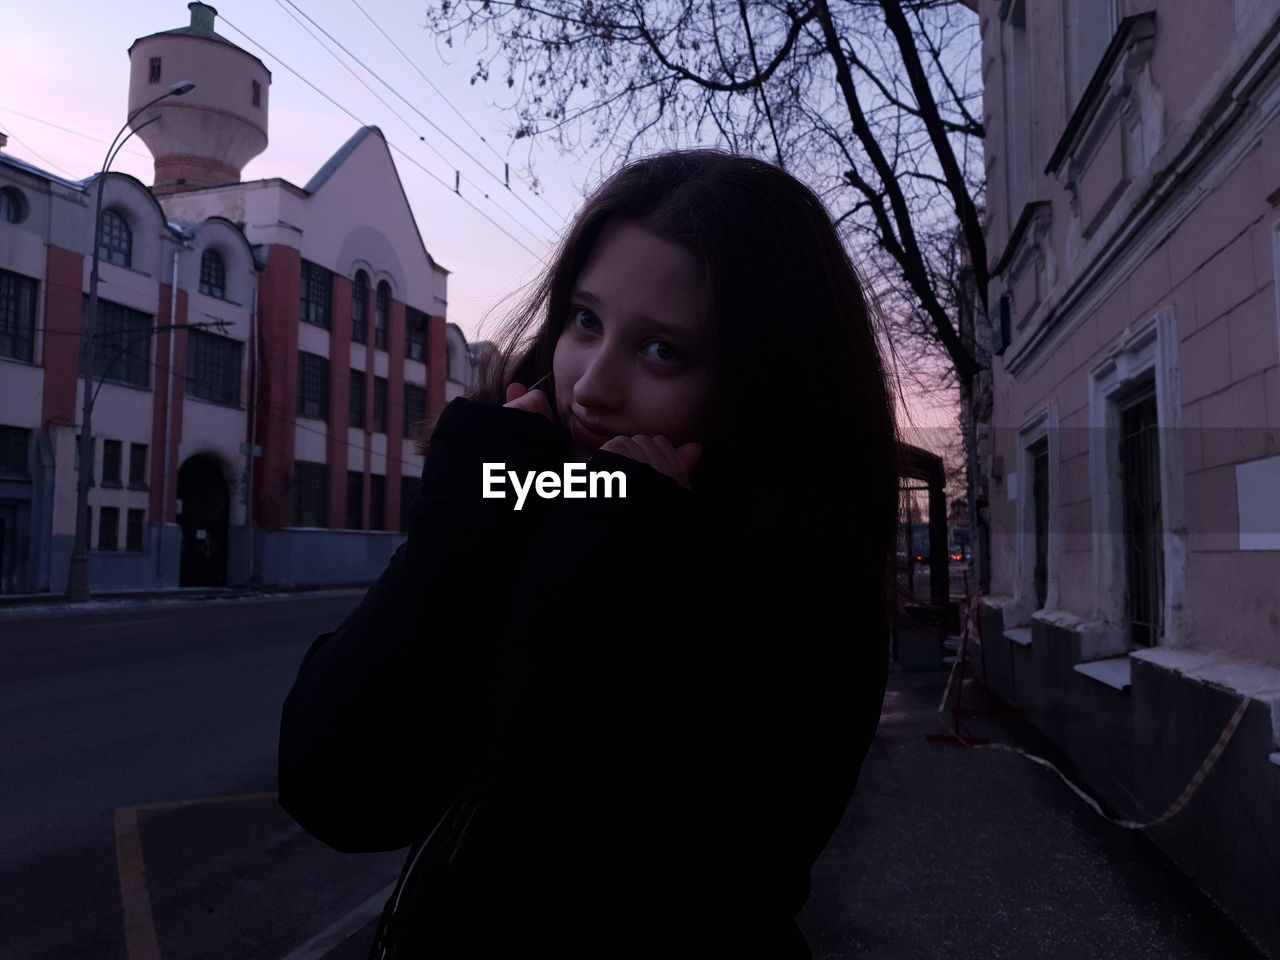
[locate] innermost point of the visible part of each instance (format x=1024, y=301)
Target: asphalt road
x=137, y=776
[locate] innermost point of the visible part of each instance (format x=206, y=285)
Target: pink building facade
x=1133, y=159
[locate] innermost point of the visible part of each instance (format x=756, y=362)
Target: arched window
x=360, y=308
x=13, y=206
x=213, y=275
x=380, y=311
x=115, y=240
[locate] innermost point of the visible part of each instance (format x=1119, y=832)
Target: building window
x=379, y=405
x=122, y=345
x=382, y=306
x=1040, y=505
x=1089, y=26
x=15, y=446
x=112, y=451
x=415, y=409
x=317, y=284
x=115, y=240
x=357, y=399
x=213, y=368
x=355, y=500
x=1142, y=516
x=360, y=308
x=256, y=93
x=313, y=386
x=17, y=316
x=213, y=274
x=1018, y=92
x=409, y=489
x=13, y=205
x=310, y=494
x=137, y=466
x=154, y=76
x=133, y=530
x=377, y=501
x=415, y=334
x=108, y=528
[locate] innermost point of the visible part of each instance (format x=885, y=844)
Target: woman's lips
x=586, y=437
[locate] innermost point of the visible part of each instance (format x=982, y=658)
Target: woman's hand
x=658, y=452
x=520, y=397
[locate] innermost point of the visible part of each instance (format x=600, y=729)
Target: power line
x=412, y=107
x=411, y=159
x=440, y=94
x=78, y=133
x=359, y=79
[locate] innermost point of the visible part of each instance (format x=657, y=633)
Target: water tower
x=205, y=138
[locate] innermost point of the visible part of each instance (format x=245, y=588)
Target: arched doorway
x=206, y=505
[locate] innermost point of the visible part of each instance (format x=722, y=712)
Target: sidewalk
x=35, y=605
x=949, y=853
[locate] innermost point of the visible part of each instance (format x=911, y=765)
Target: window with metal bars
x=382, y=306
x=154, y=74
x=133, y=530
x=313, y=386
x=379, y=405
x=416, y=324
x=109, y=528
x=377, y=502
x=356, y=406
x=213, y=274
x=1142, y=516
x=1040, y=506
x=415, y=409
x=314, y=299
x=360, y=308
x=115, y=239
x=17, y=316
x=310, y=493
x=213, y=368
x=122, y=345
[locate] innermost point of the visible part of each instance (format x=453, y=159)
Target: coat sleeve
x=387, y=712
x=695, y=717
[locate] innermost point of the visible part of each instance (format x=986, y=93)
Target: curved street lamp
x=78, y=573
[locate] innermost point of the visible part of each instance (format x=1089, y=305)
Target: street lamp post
x=78, y=573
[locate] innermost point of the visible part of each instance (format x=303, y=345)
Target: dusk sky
x=66, y=73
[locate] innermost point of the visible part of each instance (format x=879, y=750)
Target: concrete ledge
x=1241, y=676
x=1115, y=673
x=1019, y=635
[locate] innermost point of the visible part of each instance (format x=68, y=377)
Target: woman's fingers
x=658, y=453
x=534, y=401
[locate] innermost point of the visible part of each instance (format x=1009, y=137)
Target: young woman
x=665, y=698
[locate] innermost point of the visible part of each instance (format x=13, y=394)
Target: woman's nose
x=600, y=385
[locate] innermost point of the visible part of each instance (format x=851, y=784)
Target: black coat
x=668, y=718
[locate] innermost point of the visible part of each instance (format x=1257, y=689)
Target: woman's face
x=635, y=354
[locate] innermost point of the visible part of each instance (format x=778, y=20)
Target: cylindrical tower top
x=205, y=138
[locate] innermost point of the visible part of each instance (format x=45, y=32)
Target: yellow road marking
x=140, y=941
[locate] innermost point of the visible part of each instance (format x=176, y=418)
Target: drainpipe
x=168, y=408
x=253, y=443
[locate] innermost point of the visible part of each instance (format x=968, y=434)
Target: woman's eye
x=662, y=351
x=586, y=320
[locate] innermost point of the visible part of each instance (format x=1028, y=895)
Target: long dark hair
x=805, y=390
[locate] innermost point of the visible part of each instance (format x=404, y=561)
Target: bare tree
x=874, y=103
